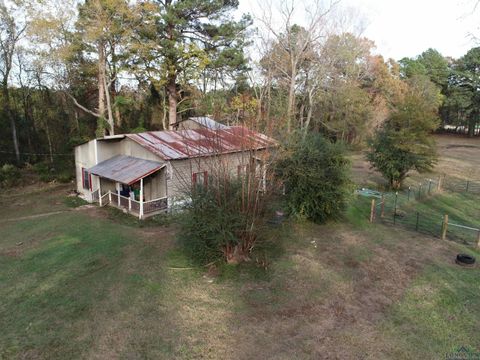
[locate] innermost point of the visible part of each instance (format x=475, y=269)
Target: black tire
x=465, y=259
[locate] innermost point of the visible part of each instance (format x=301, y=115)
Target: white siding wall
x=180, y=180
x=131, y=148
x=85, y=158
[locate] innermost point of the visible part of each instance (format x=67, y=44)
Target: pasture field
x=90, y=283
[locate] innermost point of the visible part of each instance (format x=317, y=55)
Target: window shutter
x=90, y=181
x=83, y=178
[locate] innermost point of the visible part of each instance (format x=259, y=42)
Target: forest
x=71, y=71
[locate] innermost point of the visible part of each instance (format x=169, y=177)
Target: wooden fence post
x=382, y=211
x=372, y=211
x=444, y=227
x=439, y=188
x=478, y=239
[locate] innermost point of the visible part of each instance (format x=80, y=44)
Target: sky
x=406, y=28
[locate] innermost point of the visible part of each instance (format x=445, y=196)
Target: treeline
x=71, y=71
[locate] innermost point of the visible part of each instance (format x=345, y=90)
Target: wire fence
x=411, y=209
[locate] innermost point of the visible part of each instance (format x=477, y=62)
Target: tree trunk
x=172, y=101
x=101, y=83
x=111, y=123
x=291, y=100
x=472, y=123
x=13, y=125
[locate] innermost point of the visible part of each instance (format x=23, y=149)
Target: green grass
x=96, y=283
x=53, y=286
x=439, y=313
x=460, y=208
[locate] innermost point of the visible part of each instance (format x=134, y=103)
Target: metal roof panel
x=125, y=169
x=184, y=144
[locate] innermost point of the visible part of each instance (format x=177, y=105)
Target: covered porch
x=134, y=185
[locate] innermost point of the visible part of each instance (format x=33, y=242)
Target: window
x=200, y=178
x=86, y=179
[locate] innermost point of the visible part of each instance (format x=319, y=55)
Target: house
x=147, y=173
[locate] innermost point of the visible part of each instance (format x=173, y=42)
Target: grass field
x=90, y=283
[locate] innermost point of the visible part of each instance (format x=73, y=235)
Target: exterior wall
x=189, y=124
x=154, y=187
x=108, y=149
x=108, y=185
x=180, y=177
x=131, y=148
x=85, y=158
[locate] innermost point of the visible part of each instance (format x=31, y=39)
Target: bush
x=221, y=221
x=315, y=173
x=9, y=175
x=61, y=171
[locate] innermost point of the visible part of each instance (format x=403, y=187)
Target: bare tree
x=293, y=44
x=11, y=31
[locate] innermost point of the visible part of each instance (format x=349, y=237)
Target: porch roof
x=125, y=169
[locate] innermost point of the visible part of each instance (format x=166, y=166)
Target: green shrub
x=315, y=173
x=9, y=175
x=221, y=221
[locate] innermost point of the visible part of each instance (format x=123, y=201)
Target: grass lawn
x=86, y=284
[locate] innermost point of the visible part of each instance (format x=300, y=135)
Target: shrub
x=315, y=173
x=222, y=220
x=9, y=175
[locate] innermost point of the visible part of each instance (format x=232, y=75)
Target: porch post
x=141, y=199
x=118, y=193
x=99, y=192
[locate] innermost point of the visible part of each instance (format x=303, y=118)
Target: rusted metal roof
x=184, y=144
x=125, y=169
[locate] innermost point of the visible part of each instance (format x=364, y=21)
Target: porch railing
x=105, y=199
x=132, y=205
x=114, y=197
x=155, y=205
x=95, y=195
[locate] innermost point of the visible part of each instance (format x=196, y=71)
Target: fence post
x=418, y=218
x=382, y=211
x=395, y=208
x=478, y=239
x=372, y=211
x=409, y=188
x=439, y=187
x=419, y=191
x=429, y=186
x=468, y=185
x=109, y=196
x=129, y=203
x=444, y=227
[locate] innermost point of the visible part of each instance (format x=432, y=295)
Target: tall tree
x=466, y=80
x=11, y=31
x=404, y=142
x=105, y=27
x=179, y=38
x=292, y=46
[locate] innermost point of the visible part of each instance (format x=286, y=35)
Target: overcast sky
x=408, y=27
